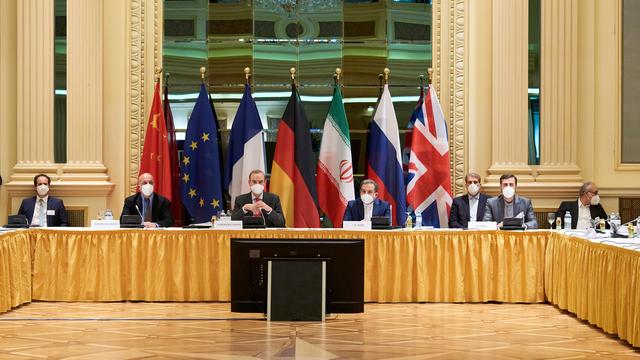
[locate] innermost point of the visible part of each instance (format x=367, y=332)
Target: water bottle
x=418, y=220
x=108, y=214
x=567, y=221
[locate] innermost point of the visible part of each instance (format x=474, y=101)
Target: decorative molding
x=136, y=90
x=459, y=21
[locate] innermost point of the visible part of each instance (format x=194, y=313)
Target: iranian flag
x=335, y=168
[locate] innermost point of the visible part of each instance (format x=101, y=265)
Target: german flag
x=293, y=168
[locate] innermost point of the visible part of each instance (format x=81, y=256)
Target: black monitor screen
x=344, y=279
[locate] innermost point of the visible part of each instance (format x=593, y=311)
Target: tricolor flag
x=156, y=158
x=293, y=169
x=201, y=171
x=246, y=147
x=384, y=157
x=174, y=163
x=335, y=168
x=429, y=186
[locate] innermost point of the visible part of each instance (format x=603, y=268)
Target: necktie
x=147, y=209
x=256, y=212
x=42, y=213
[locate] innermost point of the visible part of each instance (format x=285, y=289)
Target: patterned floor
x=384, y=331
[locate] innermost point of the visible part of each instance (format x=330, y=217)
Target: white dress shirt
x=473, y=206
x=584, y=216
x=35, y=220
x=368, y=210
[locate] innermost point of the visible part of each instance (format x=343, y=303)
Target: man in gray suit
x=509, y=205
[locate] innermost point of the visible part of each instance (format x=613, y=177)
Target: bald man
x=154, y=208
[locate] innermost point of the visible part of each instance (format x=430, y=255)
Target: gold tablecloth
x=193, y=265
x=15, y=270
x=599, y=283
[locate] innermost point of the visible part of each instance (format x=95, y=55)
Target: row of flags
x=416, y=177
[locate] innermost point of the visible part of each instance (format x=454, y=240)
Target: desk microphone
x=139, y=213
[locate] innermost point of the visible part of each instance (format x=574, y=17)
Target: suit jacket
x=60, y=214
x=460, y=214
x=572, y=208
x=273, y=219
x=494, y=211
x=355, y=210
x=160, y=208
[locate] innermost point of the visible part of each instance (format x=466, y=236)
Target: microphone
x=390, y=214
x=139, y=213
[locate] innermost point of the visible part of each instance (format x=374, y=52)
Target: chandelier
x=290, y=7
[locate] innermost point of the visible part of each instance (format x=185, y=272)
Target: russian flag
x=384, y=157
x=246, y=147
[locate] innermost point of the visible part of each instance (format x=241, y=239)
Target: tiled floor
x=384, y=331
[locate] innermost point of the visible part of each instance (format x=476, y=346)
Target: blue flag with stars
x=200, y=167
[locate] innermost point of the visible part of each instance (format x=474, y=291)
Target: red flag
x=174, y=164
x=155, y=158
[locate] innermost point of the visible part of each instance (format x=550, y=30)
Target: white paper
x=483, y=225
x=105, y=224
x=51, y=212
x=356, y=225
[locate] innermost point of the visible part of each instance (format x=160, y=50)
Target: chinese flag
x=155, y=155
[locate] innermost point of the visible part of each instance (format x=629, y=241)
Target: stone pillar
x=509, y=90
x=35, y=40
x=85, y=95
x=559, y=93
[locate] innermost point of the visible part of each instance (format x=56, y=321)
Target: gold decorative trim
x=458, y=93
x=136, y=90
x=618, y=94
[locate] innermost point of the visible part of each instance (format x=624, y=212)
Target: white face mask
x=508, y=192
x=147, y=189
x=366, y=198
x=473, y=189
x=42, y=190
x=595, y=200
x=257, y=189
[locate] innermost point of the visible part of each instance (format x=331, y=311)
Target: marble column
x=509, y=90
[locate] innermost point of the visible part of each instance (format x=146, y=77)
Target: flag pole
x=337, y=76
x=158, y=74
x=421, y=81
x=247, y=75
x=430, y=72
x=292, y=71
x=386, y=75
x=203, y=71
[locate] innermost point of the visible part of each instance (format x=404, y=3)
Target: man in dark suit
x=585, y=209
x=257, y=202
x=43, y=210
x=469, y=207
x=509, y=205
x=367, y=205
x=154, y=208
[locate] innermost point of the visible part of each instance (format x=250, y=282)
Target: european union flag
x=200, y=167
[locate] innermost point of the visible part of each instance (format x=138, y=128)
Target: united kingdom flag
x=429, y=178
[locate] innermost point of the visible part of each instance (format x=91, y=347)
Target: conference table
x=596, y=279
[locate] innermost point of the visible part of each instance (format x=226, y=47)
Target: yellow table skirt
x=15, y=270
x=599, y=283
x=193, y=265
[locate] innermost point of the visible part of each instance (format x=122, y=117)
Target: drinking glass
x=551, y=218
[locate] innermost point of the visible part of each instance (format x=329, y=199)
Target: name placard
x=356, y=225
x=228, y=225
x=483, y=225
x=105, y=224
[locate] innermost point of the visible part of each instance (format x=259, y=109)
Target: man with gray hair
x=367, y=205
x=585, y=209
x=469, y=207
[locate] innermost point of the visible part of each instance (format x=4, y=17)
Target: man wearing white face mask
x=585, y=209
x=154, y=208
x=258, y=202
x=509, y=205
x=368, y=205
x=469, y=207
x=43, y=210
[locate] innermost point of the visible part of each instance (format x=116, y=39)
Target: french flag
x=384, y=157
x=246, y=147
